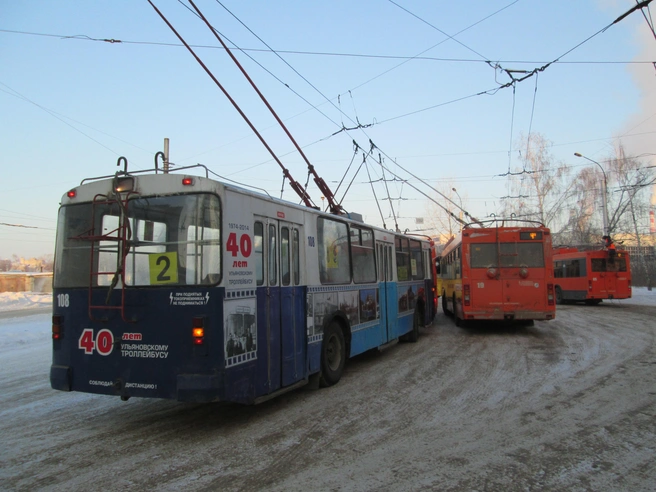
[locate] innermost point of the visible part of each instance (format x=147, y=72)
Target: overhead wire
x=557, y=60
x=297, y=187
x=321, y=184
x=84, y=37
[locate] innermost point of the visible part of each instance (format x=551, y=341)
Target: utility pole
x=604, y=191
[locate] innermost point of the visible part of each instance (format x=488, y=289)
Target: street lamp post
x=459, y=198
x=604, y=191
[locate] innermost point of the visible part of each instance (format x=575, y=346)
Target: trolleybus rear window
x=167, y=240
x=487, y=255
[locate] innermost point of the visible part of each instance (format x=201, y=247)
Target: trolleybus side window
x=458, y=255
x=381, y=265
x=388, y=262
x=402, y=259
x=416, y=260
x=272, y=255
x=296, y=256
x=576, y=268
x=333, y=250
x=258, y=252
x=570, y=268
x=362, y=254
x=285, y=256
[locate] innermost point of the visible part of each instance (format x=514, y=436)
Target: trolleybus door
x=387, y=291
x=292, y=304
x=283, y=306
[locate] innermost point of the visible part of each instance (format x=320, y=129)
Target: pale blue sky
x=69, y=106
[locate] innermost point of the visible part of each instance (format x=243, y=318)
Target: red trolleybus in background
x=590, y=276
x=499, y=273
x=182, y=287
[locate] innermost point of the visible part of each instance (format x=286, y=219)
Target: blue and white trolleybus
x=171, y=285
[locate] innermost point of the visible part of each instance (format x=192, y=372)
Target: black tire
x=333, y=354
x=445, y=306
x=559, y=295
x=459, y=321
x=413, y=335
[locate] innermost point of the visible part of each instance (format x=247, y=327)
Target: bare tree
x=580, y=199
x=629, y=203
x=537, y=185
x=442, y=220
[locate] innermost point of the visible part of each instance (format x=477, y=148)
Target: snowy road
x=568, y=404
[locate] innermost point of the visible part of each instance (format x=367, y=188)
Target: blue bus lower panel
x=365, y=339
x=314, y=357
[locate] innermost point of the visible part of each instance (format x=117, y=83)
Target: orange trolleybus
x=499, y=273
x=591, y=276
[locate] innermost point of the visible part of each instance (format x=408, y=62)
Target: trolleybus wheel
x=413, y=336
x=445, y=306
x=333, y=354
x=559, y=295
x=460, y=323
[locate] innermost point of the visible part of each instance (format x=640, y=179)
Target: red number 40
x=103, y=343
x=244, y=245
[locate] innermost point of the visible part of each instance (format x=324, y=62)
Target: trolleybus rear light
x=550, y=294
x=57, y=331
x=198, y=331
x=71, y=194
x=187, y=181
x=465, y=294
x=590, y=285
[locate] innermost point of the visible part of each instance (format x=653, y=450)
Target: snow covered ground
x=566, y=404
x=14, y=301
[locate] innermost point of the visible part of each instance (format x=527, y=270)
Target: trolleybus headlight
x=198, y=331
x=57, y=329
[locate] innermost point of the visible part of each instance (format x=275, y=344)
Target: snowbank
x=14, y=301
x=642, y=296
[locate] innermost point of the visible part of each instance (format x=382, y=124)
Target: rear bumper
x=511, y=315
x=198, y=387
x=189, y=387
